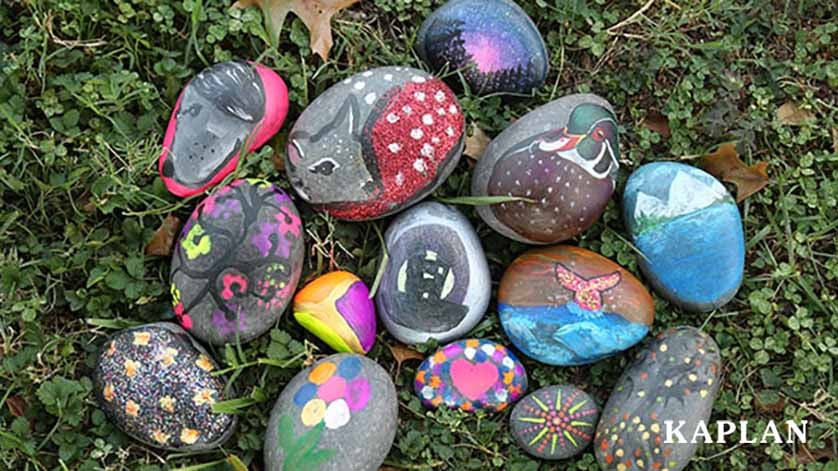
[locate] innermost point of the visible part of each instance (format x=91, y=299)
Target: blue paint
x=304, y=394
x=349, y=367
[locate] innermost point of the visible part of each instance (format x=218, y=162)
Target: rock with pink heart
x=471, y=375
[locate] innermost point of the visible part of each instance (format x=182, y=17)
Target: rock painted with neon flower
x=237, y=262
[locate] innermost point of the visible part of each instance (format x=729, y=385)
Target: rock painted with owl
x=563, y=158
x=375, y=143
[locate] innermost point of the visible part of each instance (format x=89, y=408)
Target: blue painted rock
x=436, y=284
x=471, y=375
x=237, y=262
x=340, y=413
x=674, y=378
x=554, y=423
x=562, y=157
x=689, y=232
x=375, y=143
x=493, y=43
x=564, y=305
x=156, y=384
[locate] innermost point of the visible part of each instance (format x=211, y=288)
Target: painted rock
x=675, y=378
x=375, y=143
x=689, y=232
x=564, y=305
x=222, y=109
x=555, y=422
x=436, y=284
x=493, y=43
x=339, y=414
x=156, y=384
x=337, y=308
x=563, y=158
x=237, y=262
x=471, y=375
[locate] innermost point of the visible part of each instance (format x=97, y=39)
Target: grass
x=86, y=88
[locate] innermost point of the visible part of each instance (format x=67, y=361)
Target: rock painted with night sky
x=561, y=157
x=375, y=143
x=493, y=43
x=337, y=308
x=157, y=385
x=227, y=109
x=564, y=305
x=237, y=262
x=554, y=423
x=436, y=284
x=689, y=232
x=674, y=378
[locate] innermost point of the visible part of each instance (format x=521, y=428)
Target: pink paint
x=473, y=380
x=358, y=394
x=332, y=389
x=586, y=293
x=484, y=52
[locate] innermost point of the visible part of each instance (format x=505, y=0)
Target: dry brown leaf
x=476, y=143
x=16, y=405
x=806, y=455
x=770, y=407
x=279, y=162
x=726, y=165
x=388, y=468
x=657, y=122
x=164, y=238
x=403, y=353
x=792, y=114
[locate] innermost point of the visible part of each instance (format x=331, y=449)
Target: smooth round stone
x=689, y=232
x=375, y=143
x=493, y=43
x=554, y=423
x=564, y=305
x=237, y=262
x=563, y=157
x=339, y=414
x=221, y=109
x=436, y=284
x=337, y=308
x=156, y=384
x=471, y=375
x=674, y=378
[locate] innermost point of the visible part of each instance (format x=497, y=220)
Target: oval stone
x=555, y=422
x=436, y=284
x=156, y=384
x=337, y=308
x=564, y=305
x=471, y=375
x=562, y=157
x=237, y=262
x=689, y=232
x=493, y=43
x=673, y=380
x=221, y=109
x=340, y=413
x=375, y=143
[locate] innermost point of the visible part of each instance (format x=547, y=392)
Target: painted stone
x=555, y=423
x=493, y=43
x=689, y=232
x=156, y=384
x=563, y=158
x=436, y=284
x=337, y=308
x=223, y=108
x=564, y=305
x=237, y=262
x=674, y=378
x=375, y=143
x=339, y=414
x=471, y=375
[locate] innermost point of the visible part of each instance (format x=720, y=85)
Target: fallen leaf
x=16, y=405
x=657, y=122
x=403, y=353
x=770, y=402
x=164, y=238
x=476, y=143
x=388, y=468
x=279, y=162
x=792, y=114
x=726, y=165
x=806, y=455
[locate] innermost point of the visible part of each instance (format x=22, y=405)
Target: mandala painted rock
x=156, y=384
x=237, y=262
x=436, y=284
x=563, y=305
x=555, y=422
x=471, y=375
x=493, y=43
x=689, y=232
x=339, y=414
x=225, y=108
x=337, y=308
x=563, y=157
x=375, y=143
x=675, y=378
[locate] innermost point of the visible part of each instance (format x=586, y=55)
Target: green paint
x=570, y=438
x=577, y=406
x=301, y=453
